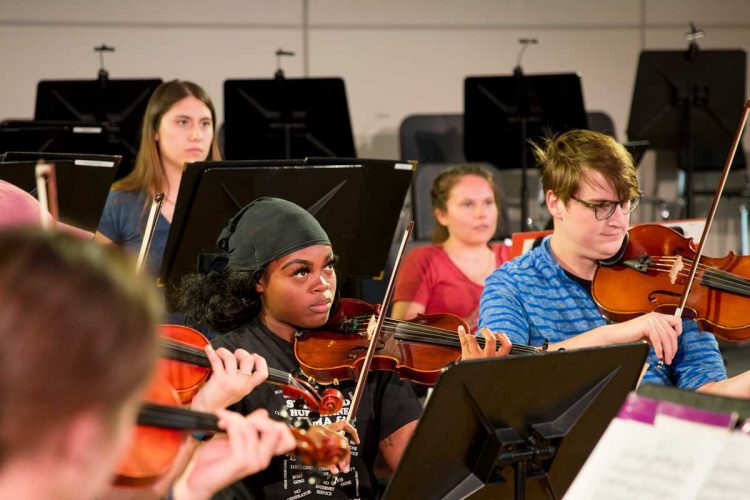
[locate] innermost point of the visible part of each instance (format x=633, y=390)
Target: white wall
x=398, y=57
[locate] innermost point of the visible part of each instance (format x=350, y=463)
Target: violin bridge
x=674, y=272
x=371, y=325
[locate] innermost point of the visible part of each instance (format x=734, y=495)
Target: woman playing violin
x=278, y=277
x=591, y=188
x=78, y=331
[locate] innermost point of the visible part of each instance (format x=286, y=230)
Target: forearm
x=735, y=387
x=393, y=446
x=601, y=336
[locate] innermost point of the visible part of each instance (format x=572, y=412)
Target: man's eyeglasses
x=606, y=209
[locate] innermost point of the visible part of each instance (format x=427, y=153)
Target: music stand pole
x=524, y=175
x=688, y=151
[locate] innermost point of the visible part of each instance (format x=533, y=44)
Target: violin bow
x=358, y=391
x=46, y=190
x=714, y=207
x=148, y=234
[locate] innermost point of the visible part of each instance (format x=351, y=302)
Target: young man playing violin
x=545, y=295
x=276, y=276
x=78, y=336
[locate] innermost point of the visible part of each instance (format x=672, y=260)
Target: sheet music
x=729, y=479
x=653, y=452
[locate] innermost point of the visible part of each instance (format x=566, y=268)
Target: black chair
x=600, y=121
x=433, y=138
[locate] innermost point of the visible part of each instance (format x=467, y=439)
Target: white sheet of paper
x=730, y=477
x=669, y=459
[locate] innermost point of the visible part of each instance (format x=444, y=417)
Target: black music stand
x=285, y=118
x=516, y=426
x=503, y=113
x=690, y=102
x=58, y=136
x=354, y=200
x=82, y=184
x=105, y=162
x=118, y=105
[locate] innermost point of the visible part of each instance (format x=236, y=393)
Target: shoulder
x=235, y=339
x=536, y=260
x=425, y=252
x=125, y=199
x=519, y=265
x=126, y=196
x=536, y=268
x=423, y=258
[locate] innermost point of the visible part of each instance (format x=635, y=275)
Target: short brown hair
x=77, y=331
x=443, y=185
x=564, y=157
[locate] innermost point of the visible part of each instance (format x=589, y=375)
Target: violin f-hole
x=359, y=351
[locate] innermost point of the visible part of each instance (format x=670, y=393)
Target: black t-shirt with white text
x=387, y=404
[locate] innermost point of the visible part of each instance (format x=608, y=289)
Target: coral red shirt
x=429, y=277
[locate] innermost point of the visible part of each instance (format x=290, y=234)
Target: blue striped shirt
x=531, y=299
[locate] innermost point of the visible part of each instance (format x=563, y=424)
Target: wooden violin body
x=336, y=350
x=417, y=349
x=162, y=427
x=153, y=449
x=651, y=276
x=185, y=366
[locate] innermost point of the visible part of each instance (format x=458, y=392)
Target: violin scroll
x=320, y=446
x=329, y=403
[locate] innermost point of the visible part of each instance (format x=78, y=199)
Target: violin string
x=721, y=275
x=718, y=275
x=444, y=335
x=180, y=348
x=176, y=418
x=422, y=333
x=731, y=282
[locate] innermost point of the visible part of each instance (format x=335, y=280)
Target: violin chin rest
x=618, y=256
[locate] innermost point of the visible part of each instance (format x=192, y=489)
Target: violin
x=161, y=431
x=651, y=275
x=418, y=349
x=186, y=367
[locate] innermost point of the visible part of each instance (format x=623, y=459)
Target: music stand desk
x=287, y=118
x=517, y=425
x=82, y=184
x=503, y=113
x=343, y=197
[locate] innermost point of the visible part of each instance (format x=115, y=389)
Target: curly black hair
x=223, y=300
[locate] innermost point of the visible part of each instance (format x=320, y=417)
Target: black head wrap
x=267, y=229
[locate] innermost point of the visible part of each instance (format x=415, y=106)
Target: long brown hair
x=442, y=187
x=77, y=331
x=148, y=173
